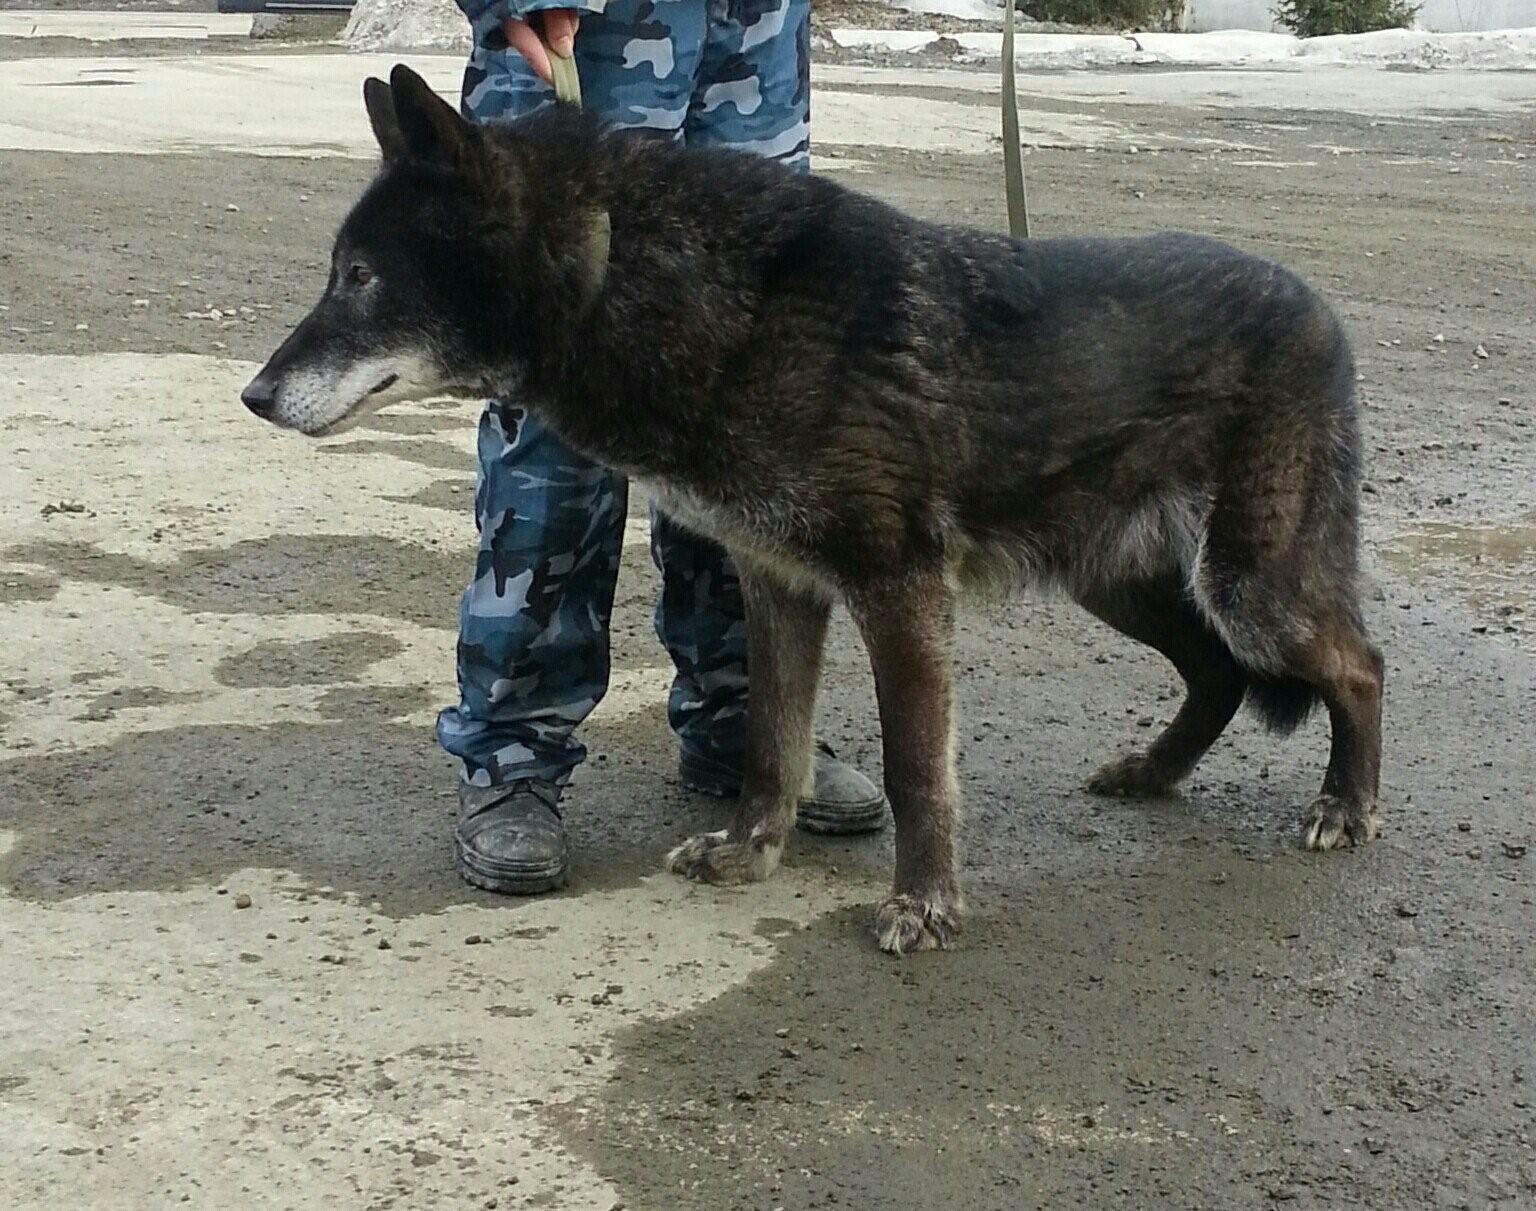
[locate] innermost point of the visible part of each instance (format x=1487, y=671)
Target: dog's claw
x=906, y=923
x=714, y=858
x=1334, y=823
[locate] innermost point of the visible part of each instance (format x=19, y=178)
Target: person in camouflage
x=533, y=624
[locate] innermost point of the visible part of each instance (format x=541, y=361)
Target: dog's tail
x=1282, y=703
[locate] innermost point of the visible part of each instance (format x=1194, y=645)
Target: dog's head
x=427, y=274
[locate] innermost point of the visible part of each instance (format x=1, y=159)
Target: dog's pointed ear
x=429, y=127
x=380, y=105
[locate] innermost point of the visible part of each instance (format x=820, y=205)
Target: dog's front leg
x=907, y=629
x=786, y=629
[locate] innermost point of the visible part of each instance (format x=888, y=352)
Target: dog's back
x=1071, y=408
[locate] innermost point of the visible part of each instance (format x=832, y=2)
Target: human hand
x=538, y=34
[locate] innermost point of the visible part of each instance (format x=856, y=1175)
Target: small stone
x=1405, y=910
x=384, y=944
x=1464, y=826
x=474, y=939
x=1439, y=338
x=63, y=506
x=82, y=327
x=1512, y=851
x=141, y=302
x=1480, y=352
x=242, y=901
x=232, y=208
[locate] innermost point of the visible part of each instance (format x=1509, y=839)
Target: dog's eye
x=359, y=275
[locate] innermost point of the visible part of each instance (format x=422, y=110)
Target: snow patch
x=406, y=25
x=963, y=10
x=1500, y=50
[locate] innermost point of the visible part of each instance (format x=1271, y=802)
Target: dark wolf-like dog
x=867, y=408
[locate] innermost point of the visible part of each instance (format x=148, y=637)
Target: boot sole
x=508, y=883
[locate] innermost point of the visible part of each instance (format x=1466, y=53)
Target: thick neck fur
x=692, y=242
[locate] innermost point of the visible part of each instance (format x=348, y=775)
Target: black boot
x=511, y=838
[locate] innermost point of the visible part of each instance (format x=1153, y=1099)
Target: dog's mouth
x=356, y=412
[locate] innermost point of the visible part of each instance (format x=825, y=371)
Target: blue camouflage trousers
x=533, y=624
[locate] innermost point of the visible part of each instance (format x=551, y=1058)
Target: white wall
x=1441, y=16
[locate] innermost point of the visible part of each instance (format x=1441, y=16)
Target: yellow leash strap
x=1013, y=161
x=567, y=79
x=567, y=82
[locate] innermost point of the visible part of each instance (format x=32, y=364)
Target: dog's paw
x=1333, y=823
x=906, y=923
x=1132, y=777
x=714, y=858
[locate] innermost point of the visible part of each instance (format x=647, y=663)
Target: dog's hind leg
x=1160, y=615
x=1347, y=670
x=1278, y=578
x=786, y=631
x=907, y=629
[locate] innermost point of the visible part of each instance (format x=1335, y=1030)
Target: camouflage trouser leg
x=533, y=626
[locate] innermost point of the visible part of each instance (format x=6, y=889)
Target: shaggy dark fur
x=868, y=408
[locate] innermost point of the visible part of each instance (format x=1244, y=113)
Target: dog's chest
x=764, y=536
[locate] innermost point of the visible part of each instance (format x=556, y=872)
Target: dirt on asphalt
x=1220, y=1019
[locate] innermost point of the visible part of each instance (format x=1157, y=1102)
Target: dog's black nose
x=260, y=396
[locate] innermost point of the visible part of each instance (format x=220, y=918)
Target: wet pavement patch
x=284, y=574
x=358, y=807
x=439, y=456
x=1493, y=564
x=374, y=701
x=27, y=586
x=455, y=496
x=1199, y=1031
x=363, y=805
x=322, y=661
x=417, y=424
x=135, y=697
